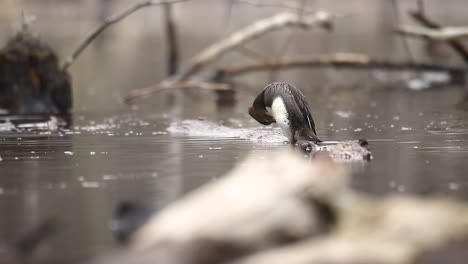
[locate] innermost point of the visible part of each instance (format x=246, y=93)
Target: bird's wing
x=303, y=106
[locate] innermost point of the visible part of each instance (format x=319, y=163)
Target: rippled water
x=418, y=140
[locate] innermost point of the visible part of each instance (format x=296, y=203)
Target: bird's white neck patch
x=280, y=113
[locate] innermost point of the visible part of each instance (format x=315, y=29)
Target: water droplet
x=68, y=153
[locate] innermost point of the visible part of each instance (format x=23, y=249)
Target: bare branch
x=249, y=33
x=175, y=85
x=446, y=33
x=171, y=34
x=110, y=21
x=233, y=41
x=456, y=44
x=349, y=60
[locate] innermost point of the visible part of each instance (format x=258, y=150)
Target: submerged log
x=31, y=81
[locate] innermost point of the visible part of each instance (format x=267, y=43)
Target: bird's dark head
x=262, y=116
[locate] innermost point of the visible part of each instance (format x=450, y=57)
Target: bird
x=284, y=104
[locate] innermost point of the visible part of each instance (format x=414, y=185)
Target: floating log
x=283, y=208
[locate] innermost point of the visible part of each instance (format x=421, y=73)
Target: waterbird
x=284, y=104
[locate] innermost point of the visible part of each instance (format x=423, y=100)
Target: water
x=114, y=152
x=82, y=173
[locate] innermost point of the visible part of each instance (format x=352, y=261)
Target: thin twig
x=175, y=85
x=110, y=21
x=348, y=60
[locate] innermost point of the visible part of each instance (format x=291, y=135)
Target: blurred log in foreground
x=283, y=208
x=31, y=81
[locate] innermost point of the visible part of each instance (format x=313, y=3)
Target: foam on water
x=202, y=128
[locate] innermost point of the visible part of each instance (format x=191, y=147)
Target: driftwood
x=255, y=30
x=283, y=209
x=260, y=203
x=338, y=60
x=446, y=33
x=392, y=230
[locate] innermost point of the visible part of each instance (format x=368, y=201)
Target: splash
x=201, y=128
x=353, y=150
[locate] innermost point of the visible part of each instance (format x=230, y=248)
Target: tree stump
x=31, y=81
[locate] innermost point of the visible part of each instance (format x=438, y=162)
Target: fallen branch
x=422, y=19
x=235, y=40
x=249, y=33
x=348, y=60
x=110, y=21
x=175, y=85
x=446, y=33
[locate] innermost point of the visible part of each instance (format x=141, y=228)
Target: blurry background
x=116, y=152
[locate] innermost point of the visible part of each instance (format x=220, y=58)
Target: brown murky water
x=114, y=153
